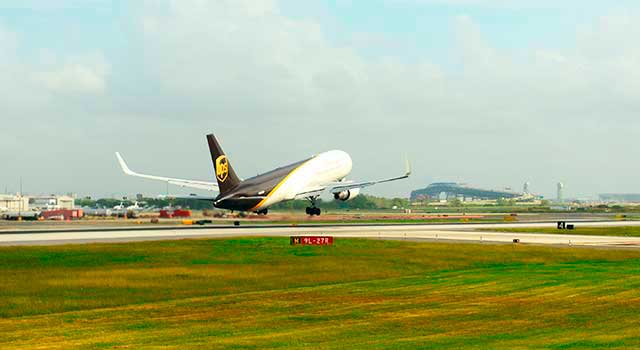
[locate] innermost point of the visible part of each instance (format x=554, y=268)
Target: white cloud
x=257, y=62
x=50, y=4
x=42, y=90
x=509, y=4
x=8, y=42
x=245, y=58
x=74, y=79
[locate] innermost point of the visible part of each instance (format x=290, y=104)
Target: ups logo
x=222, y=168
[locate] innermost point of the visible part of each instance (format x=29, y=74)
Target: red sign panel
x=311, y=240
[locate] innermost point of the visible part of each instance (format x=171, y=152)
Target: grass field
x=260, y=293
x=623, y=231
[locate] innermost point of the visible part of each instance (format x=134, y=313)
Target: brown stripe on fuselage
x=262, y=185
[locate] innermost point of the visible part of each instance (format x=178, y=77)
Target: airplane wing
x=201, y=185
x=311, y=192
x=209, y=199
x=337, y=187
x=190, y=196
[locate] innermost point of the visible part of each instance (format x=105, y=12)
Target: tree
x=502, y=202
x=455, y=202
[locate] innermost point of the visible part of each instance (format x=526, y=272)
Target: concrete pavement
x=453, y=233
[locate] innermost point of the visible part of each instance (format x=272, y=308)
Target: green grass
x=260, y=293
x=622, y=231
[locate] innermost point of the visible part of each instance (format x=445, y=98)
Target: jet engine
x=347, y=194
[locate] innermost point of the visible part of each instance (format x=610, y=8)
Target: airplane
x=119, y=206
x=134, y=207
x=307, y=179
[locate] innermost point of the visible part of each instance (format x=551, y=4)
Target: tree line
x=364, y=202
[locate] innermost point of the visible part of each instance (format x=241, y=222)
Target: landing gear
x=313, y=210
x=262, y=211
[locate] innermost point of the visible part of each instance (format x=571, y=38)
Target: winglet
x=123, y=165
x=408, y=167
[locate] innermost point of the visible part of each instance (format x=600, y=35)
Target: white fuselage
x=316, y=173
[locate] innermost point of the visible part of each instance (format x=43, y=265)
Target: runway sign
x=310, y=240
x=562, y=225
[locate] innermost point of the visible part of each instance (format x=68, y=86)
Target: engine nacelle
x=347, y=194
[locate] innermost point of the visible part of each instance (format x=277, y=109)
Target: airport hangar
x=448, y=190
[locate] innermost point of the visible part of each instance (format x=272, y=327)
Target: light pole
x=21, y=201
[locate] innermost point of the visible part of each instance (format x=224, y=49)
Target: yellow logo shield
x=222, y=168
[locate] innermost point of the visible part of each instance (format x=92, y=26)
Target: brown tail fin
x=226, y=176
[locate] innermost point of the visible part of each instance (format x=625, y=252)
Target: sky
x=488, y=92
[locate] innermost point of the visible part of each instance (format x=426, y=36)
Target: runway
x=444, y=232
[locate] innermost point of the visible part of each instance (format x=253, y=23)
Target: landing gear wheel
x=262, y=212
x=313, y=211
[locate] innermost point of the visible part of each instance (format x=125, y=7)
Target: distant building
x=13, y=203
x=525, y=188
x=560, y=192
x=450, y=190
x=52, y=202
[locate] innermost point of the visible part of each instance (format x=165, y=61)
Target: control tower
x=560, y=192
